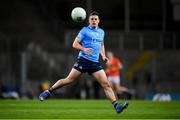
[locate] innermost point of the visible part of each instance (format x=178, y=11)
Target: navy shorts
x=84, y=65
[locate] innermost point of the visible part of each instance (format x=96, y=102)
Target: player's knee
x=105, y=84
x=69, y=80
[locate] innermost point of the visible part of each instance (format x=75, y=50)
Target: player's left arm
x=105, y=59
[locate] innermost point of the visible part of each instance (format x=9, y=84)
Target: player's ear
x=98, y=19
x=87, y=21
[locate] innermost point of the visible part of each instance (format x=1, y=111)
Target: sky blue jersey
x=91, y=38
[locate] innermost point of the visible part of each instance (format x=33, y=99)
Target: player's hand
x=88, y=50
x=105, y=59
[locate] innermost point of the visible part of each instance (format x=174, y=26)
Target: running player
x=90, y=42
x=113, y=72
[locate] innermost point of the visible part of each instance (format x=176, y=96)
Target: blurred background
x=36, y=38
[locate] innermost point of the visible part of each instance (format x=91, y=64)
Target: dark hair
x=94, y=13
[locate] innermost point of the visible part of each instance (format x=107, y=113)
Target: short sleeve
x=81, y=34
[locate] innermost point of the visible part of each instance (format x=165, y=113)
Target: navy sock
x=114, y=103
x=51, y=90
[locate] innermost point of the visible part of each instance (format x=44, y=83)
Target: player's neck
x=94, y=27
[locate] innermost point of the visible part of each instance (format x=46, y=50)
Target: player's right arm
x=120, y=66
x=77, y=45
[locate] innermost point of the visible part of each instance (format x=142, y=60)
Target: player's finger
x=89, y=50
x=106, y=60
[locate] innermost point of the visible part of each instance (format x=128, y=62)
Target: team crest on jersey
x=95, y=33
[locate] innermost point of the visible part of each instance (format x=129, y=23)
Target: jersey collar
x=92, y=27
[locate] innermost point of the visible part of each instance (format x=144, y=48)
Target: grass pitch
x=86, y=109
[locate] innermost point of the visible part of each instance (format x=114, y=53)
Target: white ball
x=78, y=14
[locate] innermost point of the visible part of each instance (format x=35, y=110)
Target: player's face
x=94, y=21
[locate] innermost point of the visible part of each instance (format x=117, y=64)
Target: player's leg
x=113, y=87
x=100, y=76
x=123, y=91
x=60, y=83
x=69, y=79
x=111, y=84
x=116, y=83
x=120, y=88
x=110, y=79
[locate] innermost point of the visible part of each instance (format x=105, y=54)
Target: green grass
x=86, y=109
